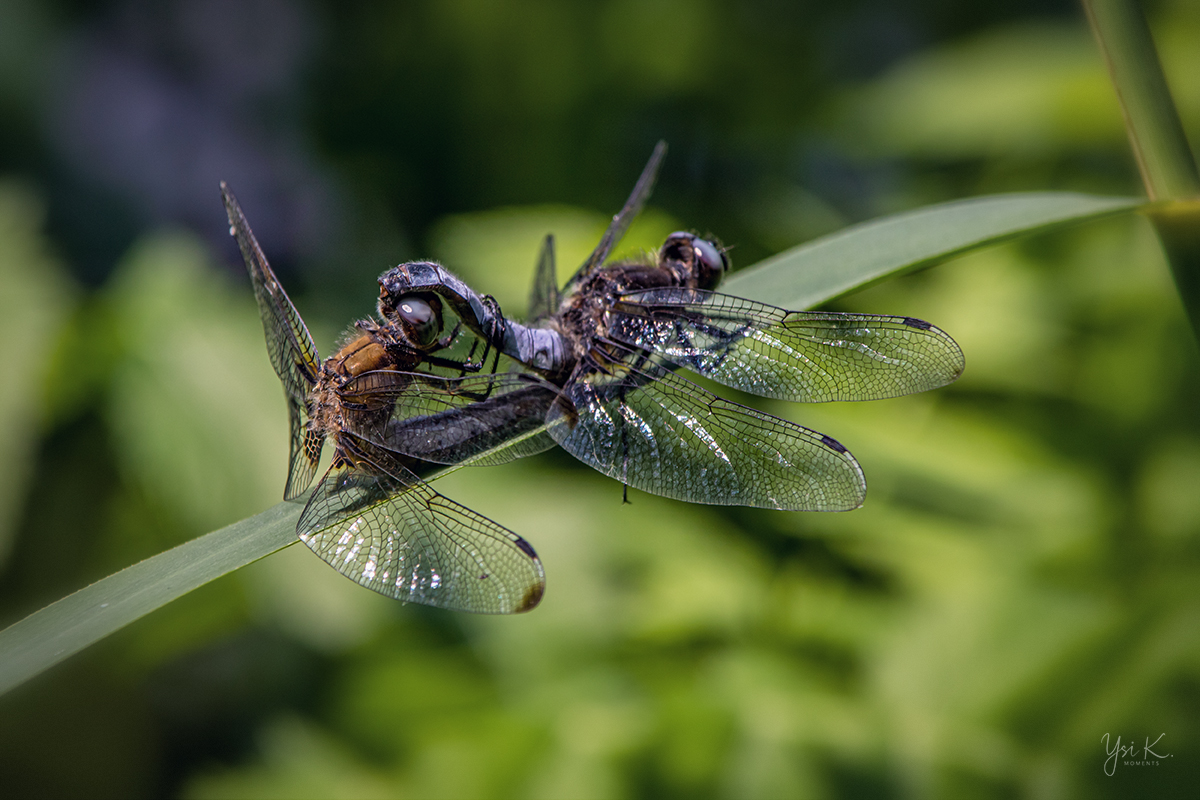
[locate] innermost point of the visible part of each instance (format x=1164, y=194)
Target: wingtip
x=232, y=209
x=531, y=598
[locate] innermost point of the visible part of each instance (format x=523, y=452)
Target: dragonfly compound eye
x=711, y=262
x=705, y=261
x=420, y=320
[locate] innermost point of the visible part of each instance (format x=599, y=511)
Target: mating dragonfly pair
x=599, y=375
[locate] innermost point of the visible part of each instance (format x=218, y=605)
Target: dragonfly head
x=418, y=315
x=703, y=261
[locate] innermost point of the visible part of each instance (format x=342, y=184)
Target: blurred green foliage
x=1021, y=581
x=33, y=306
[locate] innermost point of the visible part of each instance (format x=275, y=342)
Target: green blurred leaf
x=1166, y=489
x=62, y=629
x=34, y=300
x=631, y=32
x=301, y=761
x=194, y=406
x=1032, y=90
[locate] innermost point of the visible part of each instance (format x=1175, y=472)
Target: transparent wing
x=304, y=452
x=661, y=433
x=384, y=528
x=624, y=218
x=477, y=420
x=544, y=298
x=291, y=348
x=289, y=345
x=803, y=356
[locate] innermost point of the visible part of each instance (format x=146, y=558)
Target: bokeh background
x=1023, y=579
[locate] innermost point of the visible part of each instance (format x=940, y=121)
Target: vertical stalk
x=1155, y=132
x=1159, y=144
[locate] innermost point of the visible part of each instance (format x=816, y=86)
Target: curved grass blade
x=65, y=627
x=861, y=255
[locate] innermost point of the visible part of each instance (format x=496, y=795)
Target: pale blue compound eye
x=709, y=256
x=420, y=323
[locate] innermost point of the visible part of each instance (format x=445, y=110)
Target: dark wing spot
x=483, y=577
x=912, y=322
x=832, y=444
x=526, y=547
x=532, y=597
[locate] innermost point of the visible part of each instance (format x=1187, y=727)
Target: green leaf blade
x=67, y=626
x=835, y=265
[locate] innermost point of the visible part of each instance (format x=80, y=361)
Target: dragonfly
x=372, y=516
x=617, y=338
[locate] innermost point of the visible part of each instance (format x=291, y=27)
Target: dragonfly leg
x=462, y=366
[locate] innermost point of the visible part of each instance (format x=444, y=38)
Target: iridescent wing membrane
x=371, y=517
x=638, y=421
x=807, y=357
x=383, y=527
x=653, y=429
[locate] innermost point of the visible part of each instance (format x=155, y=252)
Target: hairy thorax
x=332, y=407
x=584, y=314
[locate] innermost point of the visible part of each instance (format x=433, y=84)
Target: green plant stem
x=64, y=628
x=1156, y=134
